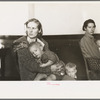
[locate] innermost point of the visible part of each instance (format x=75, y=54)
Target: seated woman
x=89, y=47
x=28, y=67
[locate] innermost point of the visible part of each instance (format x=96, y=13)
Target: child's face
x=98, y=43
x=36, y=51
x=71, y=72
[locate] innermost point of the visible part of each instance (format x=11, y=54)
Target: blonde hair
x=70, y=65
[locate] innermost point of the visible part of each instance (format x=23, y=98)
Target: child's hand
x=42, y=65
x=53, y=68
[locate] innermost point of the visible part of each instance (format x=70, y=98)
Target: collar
x=31, y=40
x=89, y=35
x=35, y=40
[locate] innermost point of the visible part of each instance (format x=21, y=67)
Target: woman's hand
x=42, y=65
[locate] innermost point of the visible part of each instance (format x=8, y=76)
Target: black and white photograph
x=51, y=43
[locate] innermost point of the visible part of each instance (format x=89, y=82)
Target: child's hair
x=34, y=44
x=70, y=65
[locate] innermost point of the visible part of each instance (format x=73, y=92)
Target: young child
x=71, y=70
x=44, y=58
x=98, y=43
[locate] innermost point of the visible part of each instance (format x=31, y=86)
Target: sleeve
x=89, y=48
x=52, y=56
x=84, y=49
x=27, y=61
x=44, y=58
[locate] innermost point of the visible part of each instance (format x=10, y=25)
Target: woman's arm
x=27, y=61
x=49, y=63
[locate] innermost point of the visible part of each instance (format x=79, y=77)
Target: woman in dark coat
x=28, y=67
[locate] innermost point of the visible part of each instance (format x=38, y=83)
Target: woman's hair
x=87, y=22
x=39, y=26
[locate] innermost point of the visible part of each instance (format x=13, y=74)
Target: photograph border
x=36, y=90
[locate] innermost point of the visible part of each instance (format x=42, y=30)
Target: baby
x=71, y=70
x=98, y=43
x=45, y=59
